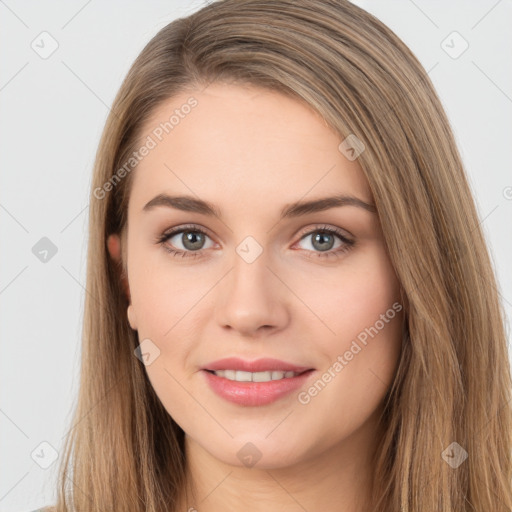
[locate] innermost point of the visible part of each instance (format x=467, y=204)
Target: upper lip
x=259, y=365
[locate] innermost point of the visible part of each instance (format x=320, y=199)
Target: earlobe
x=131, y=317
x=114, y=249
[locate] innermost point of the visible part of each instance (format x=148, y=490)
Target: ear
x=114, y=249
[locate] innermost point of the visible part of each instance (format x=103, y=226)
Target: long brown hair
x=123, y=450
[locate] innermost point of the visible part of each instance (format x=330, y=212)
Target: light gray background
x=53, y=111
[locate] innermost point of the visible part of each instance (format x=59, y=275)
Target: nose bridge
x=251, y=295
x=250, y=269
x=250, y=277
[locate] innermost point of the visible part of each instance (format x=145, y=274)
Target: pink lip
x=260, y=365
x=254, y=393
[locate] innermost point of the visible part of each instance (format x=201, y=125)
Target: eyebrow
x=296, y=209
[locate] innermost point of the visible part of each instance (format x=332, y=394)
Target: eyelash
x=348, y=244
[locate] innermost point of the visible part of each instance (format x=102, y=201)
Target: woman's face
x=259, y=284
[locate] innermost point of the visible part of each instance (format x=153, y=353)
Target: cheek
x=351, y=298
x=361, y=307
x=166, y=303
x=163, y=291
x=362, y=347
x=172, y=305
x=365, y=298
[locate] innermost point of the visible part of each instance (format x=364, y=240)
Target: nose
x=253, y=299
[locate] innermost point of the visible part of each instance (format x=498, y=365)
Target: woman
x=244, y=138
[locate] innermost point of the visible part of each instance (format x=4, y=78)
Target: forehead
x=242, y=144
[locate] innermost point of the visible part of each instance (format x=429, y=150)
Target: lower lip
x=255, y=393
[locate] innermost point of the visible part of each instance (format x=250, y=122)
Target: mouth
x=255, y=388
x=261, y=376
x=255, y=382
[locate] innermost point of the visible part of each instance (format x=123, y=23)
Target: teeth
x=242, y=376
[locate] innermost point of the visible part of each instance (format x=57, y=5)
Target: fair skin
x=250, y=152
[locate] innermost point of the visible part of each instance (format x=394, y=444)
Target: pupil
x=191, y=237
x=321, y=237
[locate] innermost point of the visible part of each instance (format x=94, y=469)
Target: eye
x=323, y=239
x=192, y=238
